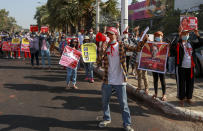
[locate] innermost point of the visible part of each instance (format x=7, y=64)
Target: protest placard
x=25, y=46
x=34, y=28
x=70, y=57
x=89, y=52
x=15, y=44
x=44, y=29
x=154, y=57
x=6, y=46
x=188, y=23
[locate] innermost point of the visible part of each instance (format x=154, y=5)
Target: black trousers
x=36, y=56
x=185, y=83
x=127, y=62
x=163, y=83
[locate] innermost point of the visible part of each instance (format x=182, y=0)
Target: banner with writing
x=25, y=46
x=89, y=52
x=70, y=57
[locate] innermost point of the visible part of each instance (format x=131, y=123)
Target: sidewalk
x=171, y=106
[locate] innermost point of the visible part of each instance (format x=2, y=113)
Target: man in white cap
x=115, y=78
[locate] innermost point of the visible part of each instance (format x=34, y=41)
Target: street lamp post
x=124, y=15
x=97, y=15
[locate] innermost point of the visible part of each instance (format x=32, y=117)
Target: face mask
x=138, y=38
x=91, y=32
x=185, y=37
x=34, y=35
x=63, y=39
x=45, y=35
x=126, y=36
x=158, y=39
x=113, y=42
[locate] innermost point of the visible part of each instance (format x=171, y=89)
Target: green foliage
x=8, y=23
x=134, y=2
x=73, y=15
x=110, y=12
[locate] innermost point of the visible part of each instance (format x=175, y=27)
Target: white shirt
x=187, y=56
x=115, y=72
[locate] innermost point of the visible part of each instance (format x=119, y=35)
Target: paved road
x=35, y=100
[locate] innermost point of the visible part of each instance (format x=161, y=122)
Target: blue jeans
x=171, y=65
x=122, y=98
x=89, y=70
x=73, y=73
x=47, y=53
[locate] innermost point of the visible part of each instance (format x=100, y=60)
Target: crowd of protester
x=116, y=55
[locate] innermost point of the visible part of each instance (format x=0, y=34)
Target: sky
x=24, y=10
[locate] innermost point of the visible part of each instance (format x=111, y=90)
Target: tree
x=134, y=2
x=8, y=23
x=72, y=15
x=110, y=12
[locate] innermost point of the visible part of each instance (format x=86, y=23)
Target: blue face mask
x=185, y=37
x=138, y=38
x=113, y=42
x=45, y=36
x=158, y=39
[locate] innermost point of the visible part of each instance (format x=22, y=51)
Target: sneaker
x=104, y=123
x=91, y=80
x=86, y=79
x=128, y=128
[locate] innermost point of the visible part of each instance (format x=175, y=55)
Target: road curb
x=164, y=106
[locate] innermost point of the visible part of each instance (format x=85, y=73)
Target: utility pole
x=97, y=15
x=124, y=15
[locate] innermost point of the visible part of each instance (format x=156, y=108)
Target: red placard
x=189, y=23
x=154, y=57
x=34, y=28
x=70, y=57
x=44, y=29
x=6, y=46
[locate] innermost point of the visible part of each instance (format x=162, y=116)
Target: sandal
x=75, y=87
x=138, y=89
x=146, y=91
x=181, y=103
x=163, y=98
x=154, y=96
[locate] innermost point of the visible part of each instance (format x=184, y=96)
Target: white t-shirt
x=187, y=55
x=115, y=72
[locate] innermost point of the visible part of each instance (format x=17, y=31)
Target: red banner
x=154, y=57
x=34, y=28
x=70, y=57
x=189, y=23
x=6, y=46
x=44, y=29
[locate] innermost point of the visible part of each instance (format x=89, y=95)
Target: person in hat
x=115, y=77
x=158, y=37
x=88, y=66
x=185, y=50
